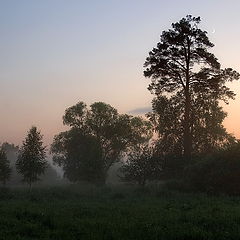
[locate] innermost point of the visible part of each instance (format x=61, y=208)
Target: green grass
x=78, y=212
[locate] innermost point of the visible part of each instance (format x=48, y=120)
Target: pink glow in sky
x=56, y=53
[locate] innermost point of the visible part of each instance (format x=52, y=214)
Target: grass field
x=77, y=212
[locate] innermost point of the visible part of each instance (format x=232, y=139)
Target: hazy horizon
x=56, y=53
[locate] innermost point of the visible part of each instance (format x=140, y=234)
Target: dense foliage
x=142, y=165
x=208, y=132
x=217, y=173
x=80, y=156
x=96, y=140
x=31, y=162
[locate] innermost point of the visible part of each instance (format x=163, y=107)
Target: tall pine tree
x=182, y=63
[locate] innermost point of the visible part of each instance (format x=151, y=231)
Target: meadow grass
x=124, y=212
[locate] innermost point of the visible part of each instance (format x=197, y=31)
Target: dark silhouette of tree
x=206, y=119
x=10, y=148
x=181, y=64
x=142, y=165
x=12, y=151
x=5, y=170
x=79, y=155
x=217, y=173
x=207, y=130
x=97, y=139
x=31, y=162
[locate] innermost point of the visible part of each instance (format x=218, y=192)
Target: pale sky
x=54, y=53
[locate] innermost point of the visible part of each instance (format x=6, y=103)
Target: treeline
x=183, y=138
x=10, y=174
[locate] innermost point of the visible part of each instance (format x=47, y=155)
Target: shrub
x=218, y=173
x=141, y=166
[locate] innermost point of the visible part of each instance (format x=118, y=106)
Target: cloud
x=140, y=111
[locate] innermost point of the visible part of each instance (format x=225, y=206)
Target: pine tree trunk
x=187, y=138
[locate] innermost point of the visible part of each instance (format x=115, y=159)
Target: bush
x=218, y=173
x=142, y=165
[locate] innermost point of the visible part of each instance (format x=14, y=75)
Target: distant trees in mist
x=10, y=176
x=5, y=169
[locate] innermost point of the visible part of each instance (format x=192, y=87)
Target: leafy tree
x=79, y=155
x=31, y=162
x=5, y=170
x=207, y=130
x=12, y=151
x=181, y=65
x=142, y=165
x=97, y=139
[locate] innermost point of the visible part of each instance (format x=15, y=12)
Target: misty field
x=78, y=212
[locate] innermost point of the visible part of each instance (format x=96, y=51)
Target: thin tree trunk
x=187, y=139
